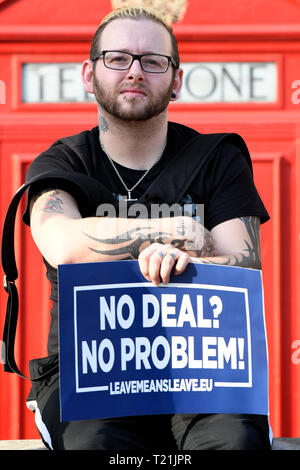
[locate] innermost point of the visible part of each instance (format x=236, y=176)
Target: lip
x=134, y=91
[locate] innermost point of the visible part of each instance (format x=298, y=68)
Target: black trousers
x=147, y=433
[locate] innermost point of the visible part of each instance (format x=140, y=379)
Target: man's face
x=133, y=95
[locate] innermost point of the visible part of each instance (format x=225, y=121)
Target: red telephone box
x=241, y=64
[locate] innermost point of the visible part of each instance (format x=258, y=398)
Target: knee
x=242, y=433
x=244, y=438
x=224, y=432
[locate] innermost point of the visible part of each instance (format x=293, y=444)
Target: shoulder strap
x=188, y=162
x=11, y=274
x=177, y=173
x=75, y=183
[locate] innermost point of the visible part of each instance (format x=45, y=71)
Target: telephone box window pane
x=230, y=82
x=53, y=83
x=203, y=82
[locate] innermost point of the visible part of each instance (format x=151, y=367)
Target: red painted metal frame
x=274, y=321
x=271, y=131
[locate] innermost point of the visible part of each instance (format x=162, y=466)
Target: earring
x=173, y=95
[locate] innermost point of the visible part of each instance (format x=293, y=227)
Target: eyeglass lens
x=123, y=61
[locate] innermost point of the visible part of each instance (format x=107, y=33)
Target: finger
x=144, y=258
x=167, y=265
x=182, y=262
x=154, y=267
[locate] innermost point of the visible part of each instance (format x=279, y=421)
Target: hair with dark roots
x=136, y=13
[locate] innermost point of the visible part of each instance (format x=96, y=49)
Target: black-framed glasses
x=151, y=63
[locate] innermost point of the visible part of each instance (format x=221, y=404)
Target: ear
x=177, y=84
x=87, y=75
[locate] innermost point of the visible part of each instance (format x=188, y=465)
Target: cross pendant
x=129, y=198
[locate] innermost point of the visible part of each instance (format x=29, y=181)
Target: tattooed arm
x=237, y=243
x=161, y=246
x=64, y=237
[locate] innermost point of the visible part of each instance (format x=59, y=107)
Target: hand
x=158, y=260
x=188, y=235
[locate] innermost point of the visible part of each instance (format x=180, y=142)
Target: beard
x=133, y=108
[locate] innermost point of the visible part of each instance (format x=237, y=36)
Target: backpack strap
x=11, y=274
x=184, y=168
x=179, y=174
x=81, y=185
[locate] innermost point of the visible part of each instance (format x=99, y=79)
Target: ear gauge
x=173, y=95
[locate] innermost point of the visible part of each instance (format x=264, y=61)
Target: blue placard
x=127, y=347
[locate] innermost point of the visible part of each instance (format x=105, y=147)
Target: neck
x=134, y=144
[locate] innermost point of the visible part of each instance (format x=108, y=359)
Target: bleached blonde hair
x=136, y=13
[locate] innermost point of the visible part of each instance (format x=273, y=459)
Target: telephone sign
x=213, y=82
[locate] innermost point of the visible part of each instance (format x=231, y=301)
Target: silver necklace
x=129, y=190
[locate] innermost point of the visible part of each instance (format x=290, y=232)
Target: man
x=134, y=72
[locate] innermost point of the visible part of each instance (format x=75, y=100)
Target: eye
x=155, y=62
x=117, y=58
x=150, y=61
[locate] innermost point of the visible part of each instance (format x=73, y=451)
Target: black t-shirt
x=224, y=185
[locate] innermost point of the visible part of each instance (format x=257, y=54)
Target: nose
x=135, y=72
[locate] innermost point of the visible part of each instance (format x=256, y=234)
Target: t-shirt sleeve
x=53, y=169
x=42, y=164
x=232, y=192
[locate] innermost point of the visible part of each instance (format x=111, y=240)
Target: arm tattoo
x=180, y=227
x=253, y=227
x=129, y=243
x=250, y=257
x=51, y=203
x=207, y=250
